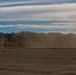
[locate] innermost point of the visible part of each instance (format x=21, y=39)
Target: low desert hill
x=37, y=40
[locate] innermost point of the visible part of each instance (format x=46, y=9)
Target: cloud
x=39, y=12
x=37, y=26
x=5, y=3
x=57, y=27
x=5, y=26
x=66, y=27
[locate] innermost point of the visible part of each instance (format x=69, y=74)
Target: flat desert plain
x=37, y=61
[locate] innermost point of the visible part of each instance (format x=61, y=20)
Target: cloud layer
x=39, y=10
x=33, y=2
x=49, y=26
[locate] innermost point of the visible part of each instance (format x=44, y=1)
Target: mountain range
x=37, y=40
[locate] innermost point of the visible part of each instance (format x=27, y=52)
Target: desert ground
x=38, y=61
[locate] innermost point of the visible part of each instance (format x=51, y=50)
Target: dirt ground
x=37, y=61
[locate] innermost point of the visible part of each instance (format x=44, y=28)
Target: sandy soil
x=38, y=62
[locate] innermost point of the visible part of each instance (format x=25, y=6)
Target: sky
x=40, y=16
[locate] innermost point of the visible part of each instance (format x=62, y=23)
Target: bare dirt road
x=38, y=62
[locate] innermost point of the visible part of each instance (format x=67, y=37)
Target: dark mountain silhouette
x=37, y=40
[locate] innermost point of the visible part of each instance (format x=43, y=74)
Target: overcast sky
x=38, y=16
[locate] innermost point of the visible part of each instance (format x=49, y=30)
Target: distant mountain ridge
x=37, y=40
